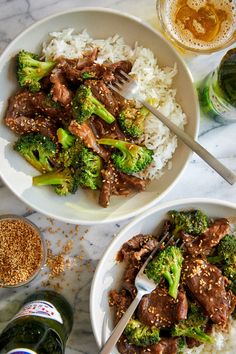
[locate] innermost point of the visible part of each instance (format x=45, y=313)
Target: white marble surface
x=90, y=242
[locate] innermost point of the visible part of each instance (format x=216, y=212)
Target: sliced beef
x=23, y=125
x=191, y=342
x=73, y=69
x=60, y=92
x=136, y=183
x=207, y=285
x=23, y=103
x=111, y=70
x=104, y=130
x=203, y=244
x=33, y=112
x=124, y=65
x=138, y=245
x=109, y=176
x=102, y=92
x=85, y=133
x=82, y=68
x=160, y=309
x=164, y=346
x=120, y=301
x=117, y=183
x=129, y=278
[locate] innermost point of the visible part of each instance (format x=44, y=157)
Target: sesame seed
x=18, y=239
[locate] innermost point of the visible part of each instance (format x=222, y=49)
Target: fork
x=128, y=88
x=144, y=286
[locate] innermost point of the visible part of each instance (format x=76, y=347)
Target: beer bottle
x=217, y=91
x=42, y=326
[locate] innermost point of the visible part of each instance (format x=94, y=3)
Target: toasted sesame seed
x=21, y=251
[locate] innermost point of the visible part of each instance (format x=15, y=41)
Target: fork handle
x=221, y=169
x=118, y=330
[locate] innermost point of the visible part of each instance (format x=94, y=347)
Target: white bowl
x=109, y=273
x=17, y=174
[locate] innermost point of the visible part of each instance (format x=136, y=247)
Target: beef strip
x=25, y=103
x=132, y=249
x=73, y=69
x=117, y=183
x=191, y=342
x=28, y=104
x=120, y=301
x=134, y=252
x=160, y=309
x=85, y=133
x=207, y=285
x=23, y=125
x=109, y=71
x=101, y=91
x=136, y=183
x=203, y=244
x=104, y=130
x=124, y=65
x=109, y=176
x=129, y=278
x=60, y=92
x=164, y=346
x=76, y=69
x=29, y=112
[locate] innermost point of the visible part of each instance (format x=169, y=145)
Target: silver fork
x=128, y=88
x=144, y=286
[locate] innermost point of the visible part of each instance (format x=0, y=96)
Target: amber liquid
x=201, y=24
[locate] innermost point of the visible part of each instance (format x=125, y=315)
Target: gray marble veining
x=198, y=180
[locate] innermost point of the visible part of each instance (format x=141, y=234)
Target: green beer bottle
x=42, y=326
x=217, y=92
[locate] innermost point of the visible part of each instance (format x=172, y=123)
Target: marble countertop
x=197, y=181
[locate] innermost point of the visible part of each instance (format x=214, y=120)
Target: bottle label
x=41, y=309
x=21, y=351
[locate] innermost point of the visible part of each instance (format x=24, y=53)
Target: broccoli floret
x=37, y=149
x=71, y=148
x=181, y=345
x=225, y=258
x=30, y=70
x=141, y=335
x=167, y=264
x=88, y=75
x=65, y=181
x=84, y=104
x=193, y=222
x=225, y=251
x=89, y=171
x=130, y=158
x=65, y=138
x=132, y=120
x=193, y=326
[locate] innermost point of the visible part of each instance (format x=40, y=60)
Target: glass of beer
x=202, y=26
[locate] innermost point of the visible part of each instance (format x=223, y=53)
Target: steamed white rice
x=154, y=84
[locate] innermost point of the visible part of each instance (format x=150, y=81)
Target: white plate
x=17, y=174
x=109, y=273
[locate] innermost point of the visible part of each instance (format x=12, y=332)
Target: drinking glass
x=199, y=26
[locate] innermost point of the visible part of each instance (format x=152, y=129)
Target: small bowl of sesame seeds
x=22, y=251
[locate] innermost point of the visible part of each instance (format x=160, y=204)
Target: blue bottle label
x=21, y=351
x=41, y=309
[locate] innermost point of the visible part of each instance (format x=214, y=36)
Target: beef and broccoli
x=196, y=285
x=74, y=130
